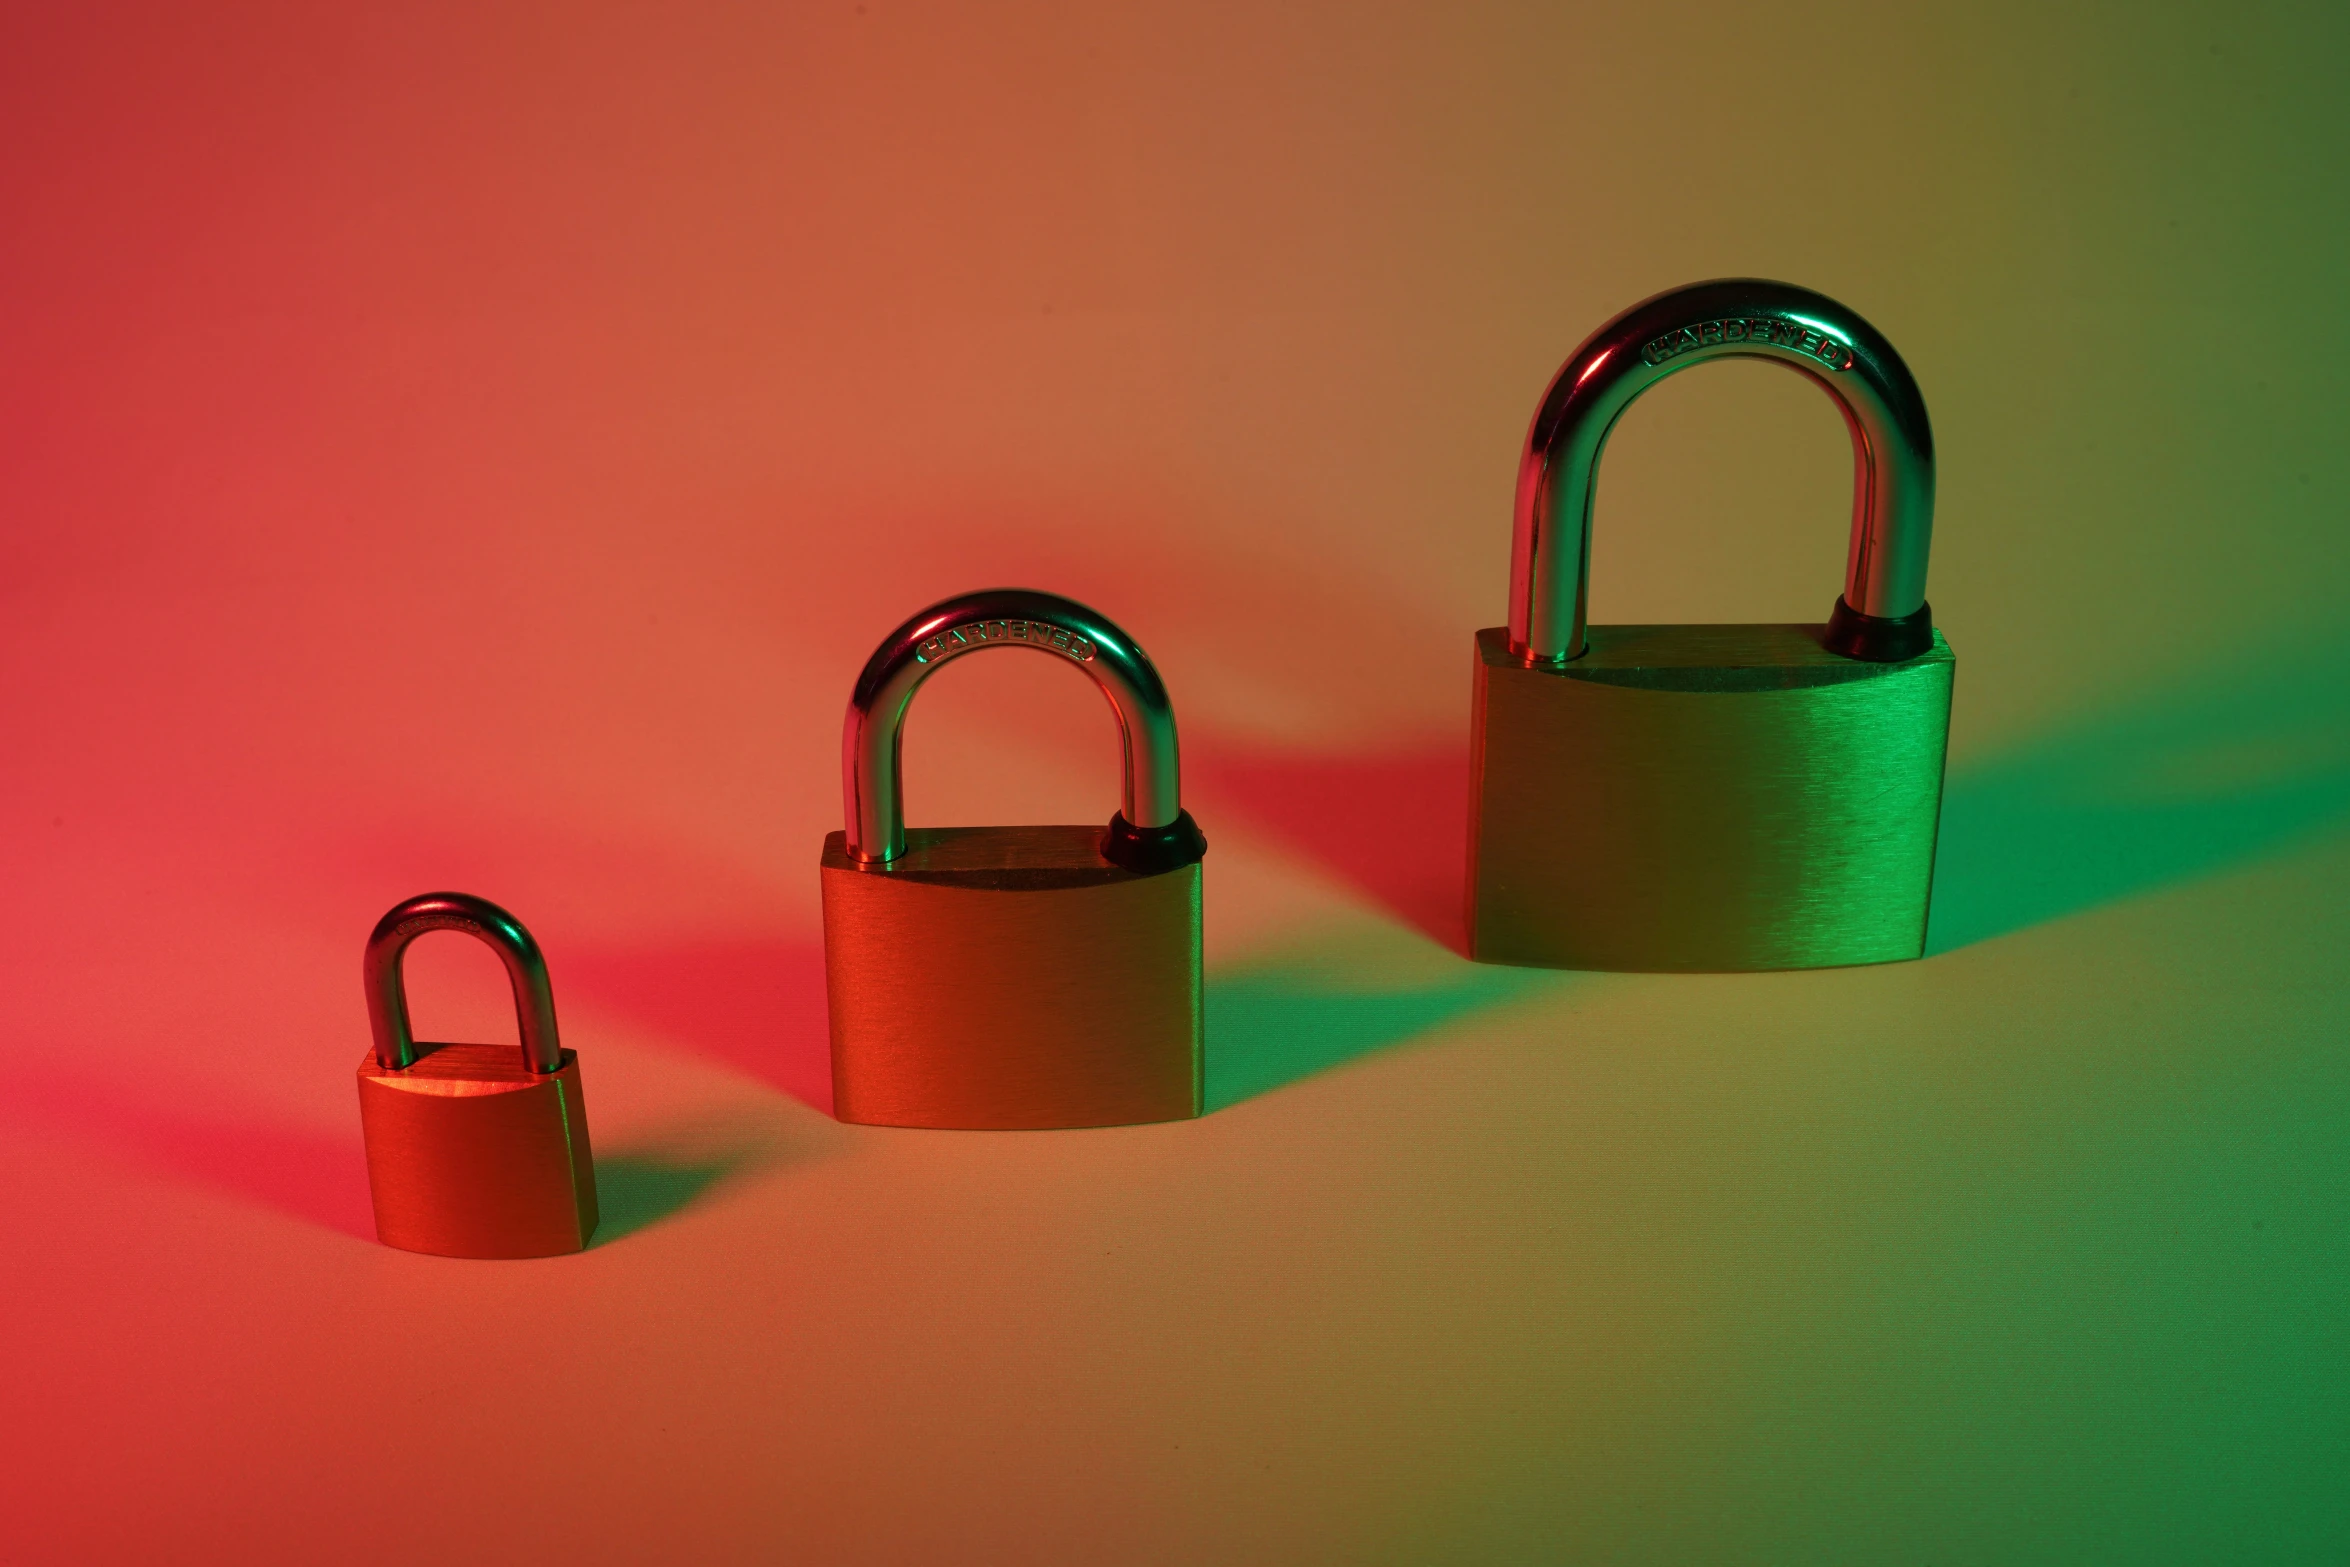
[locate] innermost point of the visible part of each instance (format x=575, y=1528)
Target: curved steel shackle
x=387, y=998
x=1001, y=617
x=1892, y=449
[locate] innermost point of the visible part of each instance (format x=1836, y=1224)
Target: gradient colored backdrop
x=476, y=446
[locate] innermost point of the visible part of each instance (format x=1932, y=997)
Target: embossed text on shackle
x=1745, y=329
x=978, y=633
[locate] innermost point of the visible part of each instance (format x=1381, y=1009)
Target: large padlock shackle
x=1882, y=615
x=387, y=996
x=1001, y=617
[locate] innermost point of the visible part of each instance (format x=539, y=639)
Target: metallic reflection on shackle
x=1000, y=617
x=526, y=969
x=1892, y=448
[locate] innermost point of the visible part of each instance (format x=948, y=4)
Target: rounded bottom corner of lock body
x=1163, y=1084
x=467, y=1239
x=957, y=1099
x=426, y=1247
x=1582, y=965
x=1564, y=958
x=916, y=1122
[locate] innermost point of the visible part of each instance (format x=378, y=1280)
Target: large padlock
x=472, y=1150
x=1013, y=977
x=1712, y=797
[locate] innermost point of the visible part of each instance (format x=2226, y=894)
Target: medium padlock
x=1712, y=797
x=472, y=1150
x=1013, y=977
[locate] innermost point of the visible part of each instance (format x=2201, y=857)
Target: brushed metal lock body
x=1723, y=797
x=1013, y=977
x=472, y=1150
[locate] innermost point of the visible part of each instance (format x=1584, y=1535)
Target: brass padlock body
x=1011, y=977
x=472, y=1150
x=1704, y=798
x=471, y=1155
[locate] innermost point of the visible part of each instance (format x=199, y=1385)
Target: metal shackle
x=1151, y=807
x=387, y=997
x=1882, y=615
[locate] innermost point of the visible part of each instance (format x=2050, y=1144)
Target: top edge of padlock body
x=873, y=730
x=526, y=971
x=1893, y=444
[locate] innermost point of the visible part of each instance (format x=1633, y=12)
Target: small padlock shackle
x=387, y=997
x=1882, y=615
x=1151, y=831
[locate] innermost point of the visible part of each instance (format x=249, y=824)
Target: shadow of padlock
x=1013, y=977
x=472, y=1150
x=1712, y=797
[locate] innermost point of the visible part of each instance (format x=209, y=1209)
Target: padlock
x=472, y=1150
x=1013, y=977
x=1712, y=797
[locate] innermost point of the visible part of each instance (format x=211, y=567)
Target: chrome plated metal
x=1892, y=445
x=1001, y=617
x=526, y=967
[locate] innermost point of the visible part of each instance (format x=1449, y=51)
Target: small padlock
x=1010, y=977
x=1712, y=797
x=472, y=1150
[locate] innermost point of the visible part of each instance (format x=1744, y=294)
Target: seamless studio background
x=476, y=446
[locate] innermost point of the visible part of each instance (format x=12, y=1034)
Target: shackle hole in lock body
x=1882, y=615
x=1150, y=831
x=383, y=967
